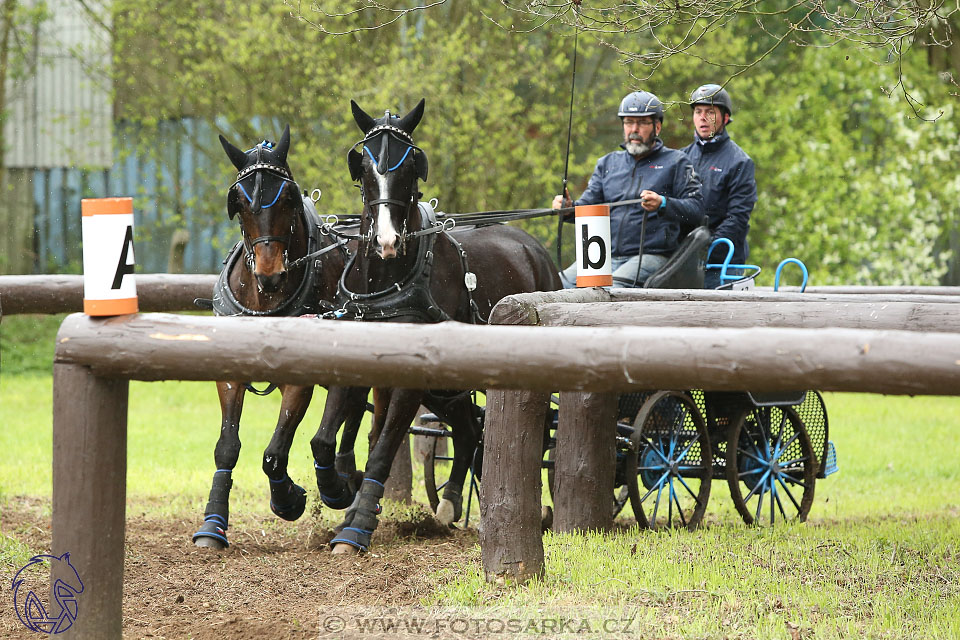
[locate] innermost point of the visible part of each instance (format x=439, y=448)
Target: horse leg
x=459, y=414
x=287, y=499
x=344, y=404
x=346, y=463
x=216, y=516
x=361, y=518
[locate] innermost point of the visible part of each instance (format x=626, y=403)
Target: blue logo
x=31, y=588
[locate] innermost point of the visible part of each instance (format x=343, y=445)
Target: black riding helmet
x=641, y=103
x=712, y=94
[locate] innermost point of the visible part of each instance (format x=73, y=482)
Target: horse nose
x=387, y=246
x=271, y=283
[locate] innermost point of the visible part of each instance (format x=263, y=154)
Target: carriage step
x=830, y=463
x=427, y=431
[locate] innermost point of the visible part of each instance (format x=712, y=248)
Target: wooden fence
x=95, y=358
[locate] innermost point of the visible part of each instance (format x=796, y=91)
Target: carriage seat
x=685, y=268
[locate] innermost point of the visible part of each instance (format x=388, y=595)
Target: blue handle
x=724, y=278
x=783, y=263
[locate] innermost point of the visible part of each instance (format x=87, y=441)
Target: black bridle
x=381, y=163
x=258, y=169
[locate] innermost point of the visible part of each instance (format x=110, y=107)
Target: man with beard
x=662, y=179
x=727, y=172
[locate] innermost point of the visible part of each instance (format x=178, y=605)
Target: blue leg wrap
x=361, y=520
x=217, y=513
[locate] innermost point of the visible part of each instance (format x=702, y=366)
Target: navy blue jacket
x=619, y=176
x=729, y=191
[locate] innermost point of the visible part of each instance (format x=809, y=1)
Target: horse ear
x=233, y=203
x=420, y=161
x=237, y=157
x=284, y=145
x=410, y=121
x=355, y=162
x=363, y=121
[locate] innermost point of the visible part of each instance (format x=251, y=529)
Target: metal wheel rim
x=676, y=477
x=771, y=475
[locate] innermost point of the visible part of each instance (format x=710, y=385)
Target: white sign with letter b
x=594, y=259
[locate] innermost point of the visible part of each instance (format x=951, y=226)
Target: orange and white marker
x=594, y=259
x=108, y=283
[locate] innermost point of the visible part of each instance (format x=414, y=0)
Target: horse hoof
x=546, y=518
x=446, y=512
x=209, y=543
x=211, y=535
x=344, y=549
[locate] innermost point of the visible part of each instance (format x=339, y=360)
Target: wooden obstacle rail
x=64, y=293
x=585, y=456
x=94, y=359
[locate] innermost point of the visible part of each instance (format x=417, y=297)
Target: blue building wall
x=178, y=186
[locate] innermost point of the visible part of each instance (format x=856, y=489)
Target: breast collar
x=304, y=301
x=406, y=301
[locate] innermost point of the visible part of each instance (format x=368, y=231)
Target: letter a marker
x=109, y=288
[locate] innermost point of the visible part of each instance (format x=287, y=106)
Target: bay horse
x=283, y=266
x=411, y=268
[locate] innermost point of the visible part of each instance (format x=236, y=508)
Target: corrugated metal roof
x=62, y=116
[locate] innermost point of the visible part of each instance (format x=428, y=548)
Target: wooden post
x=585, y=462
x=510, y=538
x=399, y=485
x=89, y=492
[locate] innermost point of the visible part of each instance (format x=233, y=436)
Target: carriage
x=770, y=448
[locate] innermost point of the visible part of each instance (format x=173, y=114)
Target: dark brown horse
x=409, y=268
x=283, y=266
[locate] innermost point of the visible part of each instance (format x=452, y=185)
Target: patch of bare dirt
x=265, y=585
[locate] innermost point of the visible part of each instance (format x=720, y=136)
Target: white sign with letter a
x=108, y=282
x=594, y=259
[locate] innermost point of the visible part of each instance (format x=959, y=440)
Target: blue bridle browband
x=394, y=167
x=250, y=200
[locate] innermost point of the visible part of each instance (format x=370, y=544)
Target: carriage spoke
x=689, y=490
x=763, y=479
x=786, y=489
x=656, y=507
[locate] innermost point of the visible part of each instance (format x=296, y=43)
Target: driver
x=729, y=187
x=662, y=178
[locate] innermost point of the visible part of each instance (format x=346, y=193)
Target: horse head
x=388, y=165
x=268, y=204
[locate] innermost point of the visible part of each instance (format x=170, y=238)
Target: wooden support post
x=510, y=537
x=89, y=492
x=585, y=462
x=399, y=484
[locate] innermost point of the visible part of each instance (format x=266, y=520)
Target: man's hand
x=560, y=202
x=650, y=200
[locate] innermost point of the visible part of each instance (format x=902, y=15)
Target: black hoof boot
x=356, y=530
x=213, y=533
x=288, y=500
x=334, y=491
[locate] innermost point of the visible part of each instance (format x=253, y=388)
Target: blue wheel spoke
x=786, y=490
x=762, y=461
x=786, y=446
x=763, y=479
x=689, y=490
x=655, y=449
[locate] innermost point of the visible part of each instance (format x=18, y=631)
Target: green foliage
x=850, y=179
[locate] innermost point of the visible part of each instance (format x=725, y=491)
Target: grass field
x=879, y=557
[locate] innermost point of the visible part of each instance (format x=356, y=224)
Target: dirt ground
x=265, y=586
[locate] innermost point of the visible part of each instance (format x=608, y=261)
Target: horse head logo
x=31, y=589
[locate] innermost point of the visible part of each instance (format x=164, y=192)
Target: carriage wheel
x=669, y=465
x=436, y=473
x=771, y=468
